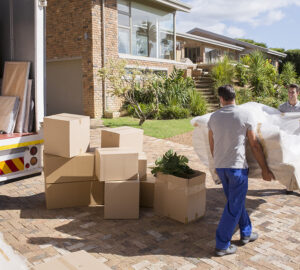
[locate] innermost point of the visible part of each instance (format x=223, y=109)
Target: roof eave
x=177, y=5
x=283, y=55
x=210, y=41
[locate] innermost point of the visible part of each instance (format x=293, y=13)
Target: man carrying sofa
x=229, y=127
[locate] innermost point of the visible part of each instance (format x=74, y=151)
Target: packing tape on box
x=186, y=189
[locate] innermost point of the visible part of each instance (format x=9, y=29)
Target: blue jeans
x=235, y=186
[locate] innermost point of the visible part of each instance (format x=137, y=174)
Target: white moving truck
x=22, y=38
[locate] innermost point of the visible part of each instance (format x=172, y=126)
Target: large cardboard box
x=142, y=166
x=115, y=164
x=79, y=193
x=181, y=199
x=123, y=137
x=66, y=135
x=61, y=170
x=121, y=199
x=80, y=260
x=147, y=193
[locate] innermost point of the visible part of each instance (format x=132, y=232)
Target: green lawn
x=155, y=128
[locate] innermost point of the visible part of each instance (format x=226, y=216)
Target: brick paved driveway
x=152, y=242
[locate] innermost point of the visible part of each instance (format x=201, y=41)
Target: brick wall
x=70, y=33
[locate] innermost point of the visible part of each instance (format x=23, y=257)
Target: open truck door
x=22, y=39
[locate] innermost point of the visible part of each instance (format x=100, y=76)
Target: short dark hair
x=226, y=92
x=296, y=86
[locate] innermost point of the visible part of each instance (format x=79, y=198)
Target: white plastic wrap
x=279, y=135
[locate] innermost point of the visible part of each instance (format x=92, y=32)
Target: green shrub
x=282, y=93
x=294, y=57
x=269, y=101
x=223, y=73
x=197, y=105
x=176, y=88
x=242, y=74
x=173, y=112
x=171, y=163
x=146, y=109
x=243, y=95
x=288, y=74
x=245, y=60
x=262, y=74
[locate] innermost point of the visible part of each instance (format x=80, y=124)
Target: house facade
x=83, y=35
x=241, y=48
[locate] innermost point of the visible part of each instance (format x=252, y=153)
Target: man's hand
x=267, y=175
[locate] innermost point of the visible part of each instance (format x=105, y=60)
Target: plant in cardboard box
x=179, y=191
x=171, y=163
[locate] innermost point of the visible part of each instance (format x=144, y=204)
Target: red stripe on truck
x=11, y=165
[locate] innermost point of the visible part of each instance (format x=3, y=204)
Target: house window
x=145, y=31
x=212, y=56
x=124, y=26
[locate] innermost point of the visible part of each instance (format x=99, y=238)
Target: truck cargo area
x=22, y=40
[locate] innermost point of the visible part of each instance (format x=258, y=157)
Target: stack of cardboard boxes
x=114, y=175
x=121, y=163
x=108, y=176
x=69, y=169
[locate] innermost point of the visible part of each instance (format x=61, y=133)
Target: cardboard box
x=121, y=199
x=181, y=199
x=123, y=137
x=79, y=193
x=115, y=164
x=66, y=135
x=61, y=170
x=147, y=193
x=80, y=260
x=142, y=166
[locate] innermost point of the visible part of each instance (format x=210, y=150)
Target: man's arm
x=259, y=156
x=211, y=141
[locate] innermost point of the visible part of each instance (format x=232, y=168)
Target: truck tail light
x=33, y=150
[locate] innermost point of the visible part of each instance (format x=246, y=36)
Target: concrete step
x=208, y=80
x=205, y=89
x=207, y=86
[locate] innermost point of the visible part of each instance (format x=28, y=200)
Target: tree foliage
x=128, y=85
x=251, y=41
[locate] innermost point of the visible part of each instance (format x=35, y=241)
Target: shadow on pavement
x=148, y=235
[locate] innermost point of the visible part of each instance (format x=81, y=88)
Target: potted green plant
x=179, y=191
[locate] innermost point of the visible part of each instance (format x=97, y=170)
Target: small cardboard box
x=123, y=137
x=61, y=170
x=142, y=166
x=80, y=260
x=121, y=199
x=181, y=199
x=147, y=193
x=115, y=164
x=66, y=135
x=79, y=193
